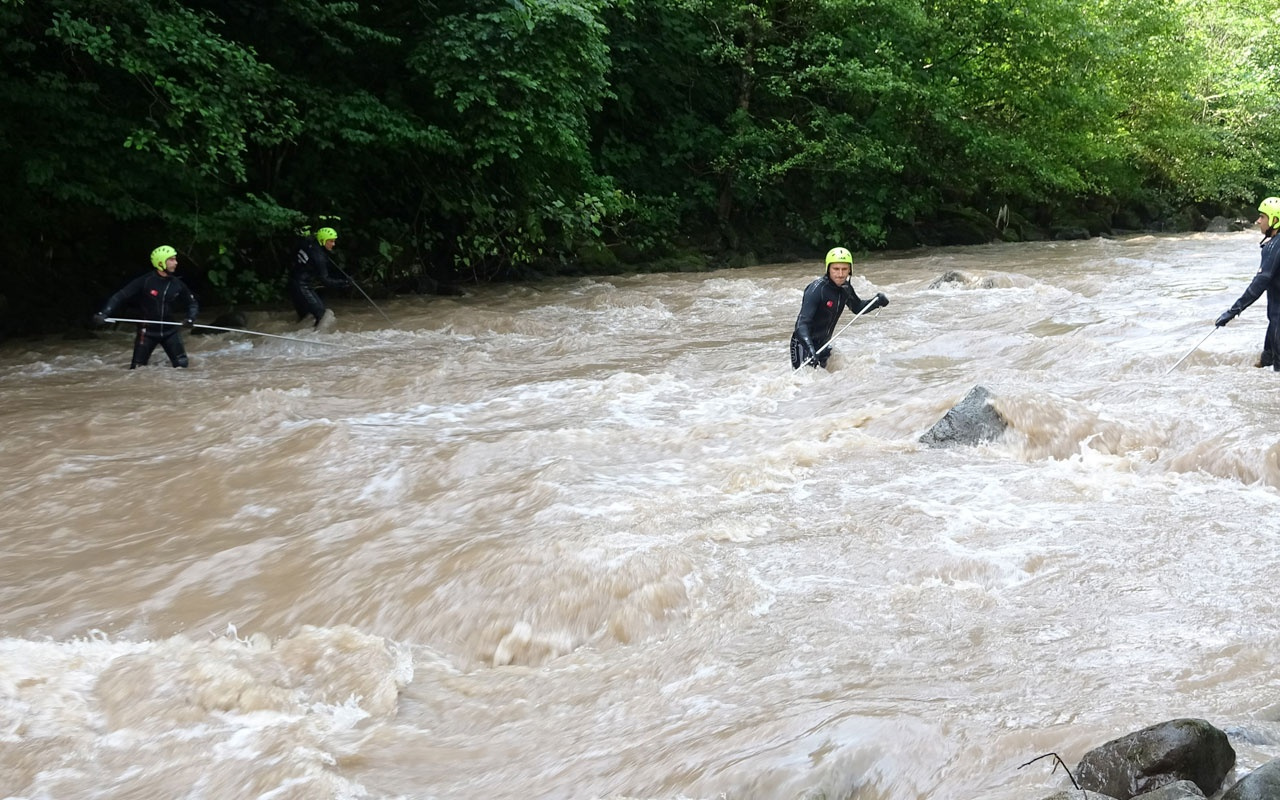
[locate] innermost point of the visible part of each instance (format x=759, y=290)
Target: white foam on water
x=635, y=554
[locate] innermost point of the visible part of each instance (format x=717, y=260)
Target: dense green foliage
x=466, y=141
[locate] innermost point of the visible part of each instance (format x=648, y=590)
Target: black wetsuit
x=1267, y=280
x=157, y=295
x=311, y=267
x=819, y=312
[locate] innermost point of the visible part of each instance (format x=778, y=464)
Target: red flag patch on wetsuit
x=830, y=303
x=155, y=293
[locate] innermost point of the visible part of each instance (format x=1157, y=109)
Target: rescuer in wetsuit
x=157, y=294
x=311, y=266
x=824, y=300
x=1266, y=280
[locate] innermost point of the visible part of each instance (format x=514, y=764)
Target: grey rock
x=1155, y=757
x=972, y=421
x=1181, y=790
x=1225, y=225
x=950, y=276
x=1261, y=784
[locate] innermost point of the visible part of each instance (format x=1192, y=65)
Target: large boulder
x=1155, y=757
x=1221, y=224
x=950, y=276
x=971, y=421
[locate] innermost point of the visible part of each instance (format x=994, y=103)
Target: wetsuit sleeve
x=193, y=306
x=851, y=299
x=126, y=294
x=1260, y=282
x=323, y=263
x=808, y=311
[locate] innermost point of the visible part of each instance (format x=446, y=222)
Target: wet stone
x=971, y=421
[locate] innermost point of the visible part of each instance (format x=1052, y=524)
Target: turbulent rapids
x=595, y=538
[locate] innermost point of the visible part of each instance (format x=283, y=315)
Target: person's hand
x=188, y=324
x=1226, y=317
x=99, y=320
x=813, y=351
x=879, y=301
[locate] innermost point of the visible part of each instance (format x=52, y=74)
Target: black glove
x=188, y=324
x=1226, y=317
x=99, y=320
x=813, y=351
x=879, y=301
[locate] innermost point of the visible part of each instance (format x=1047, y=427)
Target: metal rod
x=220, y=328
x=1192, y=350
x=362, y=291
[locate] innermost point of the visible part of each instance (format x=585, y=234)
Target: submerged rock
x=971, y=421
x=956, y=278
x=1261, y=784
x=950, y=276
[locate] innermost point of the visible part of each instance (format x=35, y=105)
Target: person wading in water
x=820, y=310
x=157, y=294
x=1267, y=280
x=311, y=266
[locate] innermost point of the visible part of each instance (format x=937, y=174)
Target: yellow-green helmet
x=839, y=255
x=162, y=254
x=1271, y=207
x=325, y=234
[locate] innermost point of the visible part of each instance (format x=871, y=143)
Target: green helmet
x=162, y=254
x=839, y=255
x=1271, y=207
x=325, y=234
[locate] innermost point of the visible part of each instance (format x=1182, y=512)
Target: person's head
x=1269, y=213
x=839, y=265
x=165, y=259
x=327, y=237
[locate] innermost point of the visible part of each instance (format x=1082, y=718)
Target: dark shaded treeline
x=454, y=142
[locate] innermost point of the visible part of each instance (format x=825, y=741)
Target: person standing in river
x=312, y=266
x=1266, y=280
x=157, y=295
x=824, y=301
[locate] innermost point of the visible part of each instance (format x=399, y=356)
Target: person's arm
x=1259, y=284
x=127, y=293
x=851, y=299
x=808, y=311
x=857, y=304
x=323, y=262
x=193, y=306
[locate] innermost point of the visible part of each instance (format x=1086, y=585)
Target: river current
x=594, y=538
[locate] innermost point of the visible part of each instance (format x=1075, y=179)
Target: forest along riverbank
x=595, y=538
